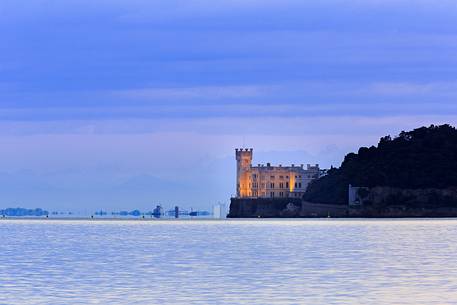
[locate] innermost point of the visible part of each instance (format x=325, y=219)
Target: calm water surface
x=228, y=262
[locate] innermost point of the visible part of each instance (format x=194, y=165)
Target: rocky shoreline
x=297, y=208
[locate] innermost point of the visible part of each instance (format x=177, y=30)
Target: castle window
x=272, y=194
x=272, y=177
x=295, y=184
x=299, y=184
x=281, y=177
x=287, y=184
x=281, y=194
x=272, y=185
x=281, y=185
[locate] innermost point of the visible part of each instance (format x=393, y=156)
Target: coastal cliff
x=397, y=202
x=424, y=158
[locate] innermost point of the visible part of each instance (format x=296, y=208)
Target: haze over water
x=226, y=262
x=116, y=105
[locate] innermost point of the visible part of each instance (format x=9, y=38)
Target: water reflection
x=226, y=262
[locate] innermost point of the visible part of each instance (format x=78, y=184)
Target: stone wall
x=282, y=208
x=264, y=207
x=376, y=202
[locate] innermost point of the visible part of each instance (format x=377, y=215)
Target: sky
x=127, y=104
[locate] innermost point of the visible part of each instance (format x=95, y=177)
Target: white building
x=219, y=211
x=266, y=181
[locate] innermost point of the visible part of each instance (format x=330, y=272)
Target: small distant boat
x=199, y=213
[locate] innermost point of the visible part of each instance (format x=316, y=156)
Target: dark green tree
x=425, y=157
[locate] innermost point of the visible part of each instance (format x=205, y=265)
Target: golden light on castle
x=266, y=181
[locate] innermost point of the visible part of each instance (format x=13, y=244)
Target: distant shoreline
x=237, y=219
x=101, y=219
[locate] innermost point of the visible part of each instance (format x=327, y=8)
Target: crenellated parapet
x=267, y=181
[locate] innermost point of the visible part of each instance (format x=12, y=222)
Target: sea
x=258, y=261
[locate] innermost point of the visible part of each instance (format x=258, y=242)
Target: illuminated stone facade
x=266, y=181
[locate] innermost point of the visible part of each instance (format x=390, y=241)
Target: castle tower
x=243, y=172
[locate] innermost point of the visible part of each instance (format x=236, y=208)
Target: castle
x=266, y=181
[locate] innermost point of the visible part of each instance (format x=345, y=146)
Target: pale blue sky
x=124, y=104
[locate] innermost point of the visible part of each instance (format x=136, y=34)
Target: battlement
x=292, y=166
x=269, y=181
x=246, y=152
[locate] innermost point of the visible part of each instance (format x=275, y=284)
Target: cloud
x=205, y=92
x=93, y=94
x=435, y=89
x=301, y=100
